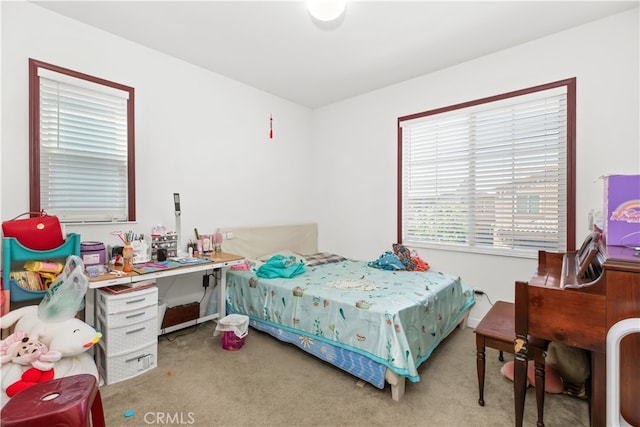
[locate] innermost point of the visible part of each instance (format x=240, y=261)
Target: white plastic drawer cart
x=129, y=323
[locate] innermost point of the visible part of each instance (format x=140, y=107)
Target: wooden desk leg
x=598, y=398
x=480, y=364
x=520, y=378
x=539, y=371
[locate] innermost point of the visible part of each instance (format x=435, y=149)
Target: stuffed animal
x=69, y=339
x=26, y=350
x=30, y=377
x=552, y=380
x=566, y=370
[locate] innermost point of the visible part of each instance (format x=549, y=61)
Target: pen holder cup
x=162, y=254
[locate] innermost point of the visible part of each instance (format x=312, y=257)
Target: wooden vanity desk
x=574, y=298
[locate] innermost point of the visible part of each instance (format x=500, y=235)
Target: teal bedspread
x=396, y=318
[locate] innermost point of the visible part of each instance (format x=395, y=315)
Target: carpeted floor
x=268, y=383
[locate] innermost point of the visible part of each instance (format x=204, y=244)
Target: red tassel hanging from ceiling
x=270, y=126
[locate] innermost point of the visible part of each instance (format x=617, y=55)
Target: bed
x=378, y=325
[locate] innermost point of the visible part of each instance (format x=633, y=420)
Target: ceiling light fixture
x=326, y=10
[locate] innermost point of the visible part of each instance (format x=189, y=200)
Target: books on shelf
x=29, y=280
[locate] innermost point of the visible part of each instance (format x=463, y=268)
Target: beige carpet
x=269, y=383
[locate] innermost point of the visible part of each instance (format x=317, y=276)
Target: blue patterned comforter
x=396, y=318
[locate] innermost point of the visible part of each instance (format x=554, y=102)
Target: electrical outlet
x=229, y=235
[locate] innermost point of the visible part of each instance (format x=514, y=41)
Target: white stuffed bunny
x=69, y=337
x=67, y=340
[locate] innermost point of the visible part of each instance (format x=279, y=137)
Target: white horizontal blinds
x=83, y=149
x=489, y=177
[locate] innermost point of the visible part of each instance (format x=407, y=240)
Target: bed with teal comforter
x=362, y=319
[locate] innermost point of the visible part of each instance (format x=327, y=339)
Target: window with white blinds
x=490, y=176
x=84, y=147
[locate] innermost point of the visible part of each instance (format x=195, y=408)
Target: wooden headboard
x=253, y=242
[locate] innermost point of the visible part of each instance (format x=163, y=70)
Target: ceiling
x=275, y=46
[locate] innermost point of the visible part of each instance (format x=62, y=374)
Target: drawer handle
x=137, y=358
x=136, y=330
x=135, y=300
x=136, y=315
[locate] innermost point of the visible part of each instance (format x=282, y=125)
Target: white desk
x=218, y=261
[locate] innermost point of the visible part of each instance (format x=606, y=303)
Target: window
x=493, y=176
x=81, y=151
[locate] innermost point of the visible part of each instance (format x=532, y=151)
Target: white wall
x=206, y=137
x=355, y=141
x=197, y=133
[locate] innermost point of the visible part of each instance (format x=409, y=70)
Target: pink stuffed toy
x=566, y=370
x=23, y=350
x=552, y=381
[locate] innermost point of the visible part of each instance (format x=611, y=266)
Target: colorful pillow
x=323, y=258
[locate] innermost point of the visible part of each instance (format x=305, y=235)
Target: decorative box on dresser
x=129, y=325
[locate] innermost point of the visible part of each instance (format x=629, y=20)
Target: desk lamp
x=176, y=203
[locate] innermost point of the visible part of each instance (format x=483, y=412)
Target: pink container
x=230, y=341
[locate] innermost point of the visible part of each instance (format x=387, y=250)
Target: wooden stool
x=72, y=401
x=497, y=330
